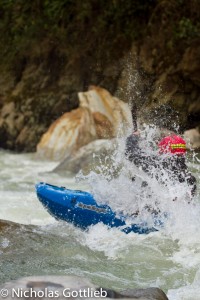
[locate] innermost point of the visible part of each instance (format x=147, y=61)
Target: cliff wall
x=144, y=52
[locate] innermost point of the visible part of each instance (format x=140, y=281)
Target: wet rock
x=192, y=137
x=89, y=157
x=67, y=134
x=8, y=225
x=104, y=127
x=99, y=100
x=148, y=293
x=7, y=109
x=100, y=116
x=11, y=123
x=48, y=287
x=23, y=135
x=9, y=116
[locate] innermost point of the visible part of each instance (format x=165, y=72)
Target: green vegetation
x=90, y=26
x=187, y=29
x=70, y=24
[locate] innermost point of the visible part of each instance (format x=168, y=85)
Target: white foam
x=168, y=259
x=187, y=292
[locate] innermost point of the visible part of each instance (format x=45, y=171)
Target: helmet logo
x=177, y=146
x=173, y=145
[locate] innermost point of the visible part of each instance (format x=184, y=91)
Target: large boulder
x=67, y=134
x=102, y=104
x=100, y=115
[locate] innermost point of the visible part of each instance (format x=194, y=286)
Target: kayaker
x=170, y=159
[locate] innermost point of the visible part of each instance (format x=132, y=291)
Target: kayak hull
x=81, y=209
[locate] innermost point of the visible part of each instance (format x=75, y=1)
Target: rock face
x=166, y=93
x=100, y=116
x=43, y=82
x=88, y=157
x=62, y=287
x=11, y=122
x=165, y=89
x=192, y=136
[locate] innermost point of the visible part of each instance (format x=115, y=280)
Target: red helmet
x=172, y=144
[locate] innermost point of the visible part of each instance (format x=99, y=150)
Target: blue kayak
x=81, y=209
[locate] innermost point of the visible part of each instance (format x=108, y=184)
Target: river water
x=168, y=259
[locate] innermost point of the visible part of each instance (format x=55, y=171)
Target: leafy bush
x=186, y=29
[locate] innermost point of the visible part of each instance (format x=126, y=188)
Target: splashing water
x=169, y=258
x=114, y=186
x=181, y=228
x=123, y=195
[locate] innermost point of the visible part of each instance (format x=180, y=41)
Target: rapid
x=168, y=259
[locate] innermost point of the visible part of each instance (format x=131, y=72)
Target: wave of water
x=169, y=259
x=180, y=234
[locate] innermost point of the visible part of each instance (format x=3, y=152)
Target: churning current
x=40, y=245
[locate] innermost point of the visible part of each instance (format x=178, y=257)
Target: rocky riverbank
x=151, y=60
